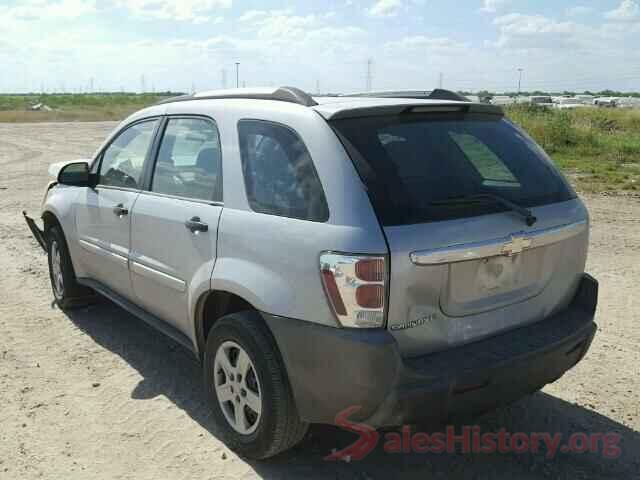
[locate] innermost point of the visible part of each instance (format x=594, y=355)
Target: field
x=599, y=149
x=73, y=108
x=95, y=393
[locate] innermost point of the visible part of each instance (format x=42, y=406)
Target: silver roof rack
x=437, y=94
x=282, y=94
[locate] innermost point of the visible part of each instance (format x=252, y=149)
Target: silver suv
x=420, y=258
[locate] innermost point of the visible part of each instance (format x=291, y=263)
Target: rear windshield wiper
x=529, y=218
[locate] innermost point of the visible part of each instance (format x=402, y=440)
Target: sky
x=327, y=46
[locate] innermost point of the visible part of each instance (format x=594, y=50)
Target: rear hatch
x=456, y=192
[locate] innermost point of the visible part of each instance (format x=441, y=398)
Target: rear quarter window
x=279, y=175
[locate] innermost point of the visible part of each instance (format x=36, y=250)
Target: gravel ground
x=98, y=394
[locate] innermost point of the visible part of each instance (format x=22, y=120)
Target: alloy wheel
x=237, y=387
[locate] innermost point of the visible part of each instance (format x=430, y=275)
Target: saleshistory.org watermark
x=469, y=439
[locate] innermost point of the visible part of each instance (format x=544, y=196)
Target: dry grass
x=73, y=107
x=76, y=115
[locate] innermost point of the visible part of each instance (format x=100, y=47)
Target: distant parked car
x=628, y=102
x=606, y=102
x=585, y=99
x=416, y=258
x=502, y=100
x=569, y=103
x=541, y=100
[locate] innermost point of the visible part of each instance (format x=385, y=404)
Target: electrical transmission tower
x=369, y=74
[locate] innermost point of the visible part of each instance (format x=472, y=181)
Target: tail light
x=356, y=287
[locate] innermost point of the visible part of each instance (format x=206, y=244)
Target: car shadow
x=168, y=369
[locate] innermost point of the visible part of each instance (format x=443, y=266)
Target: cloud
x=627, y=11
x=195, y=11
x=422, y=45
x=278, y=25
x=251, y=15
x=385, y=8
x=30, y=10
x=492, y=6
x=578, y=11
x=534, y=31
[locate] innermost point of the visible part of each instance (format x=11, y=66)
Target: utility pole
x=369, y=74
x=237, y=74
x=91, y=85
x=520, y=70
x=223, y=78
x=143, y=84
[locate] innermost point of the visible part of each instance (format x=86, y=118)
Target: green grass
x=599, y=149
x=74, y=107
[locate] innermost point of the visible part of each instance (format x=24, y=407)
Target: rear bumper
x=331, y=369
x=37, y=233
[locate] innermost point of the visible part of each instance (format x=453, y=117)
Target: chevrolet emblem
x=516, y=245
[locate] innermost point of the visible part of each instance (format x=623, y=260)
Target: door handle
x=120, y=211
x=195, y=225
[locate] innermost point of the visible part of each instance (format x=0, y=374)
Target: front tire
x=66, y=290
x=248, y=388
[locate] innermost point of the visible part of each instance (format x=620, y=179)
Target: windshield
x=411, y=162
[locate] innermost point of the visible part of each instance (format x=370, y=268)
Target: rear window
x=411, y=162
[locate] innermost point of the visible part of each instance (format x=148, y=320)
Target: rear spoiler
x=408, y=107
x=437, y=94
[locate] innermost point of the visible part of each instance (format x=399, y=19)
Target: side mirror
x=76, y=175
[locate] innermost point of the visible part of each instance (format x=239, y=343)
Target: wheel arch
x=49, y=220
x=213, y=305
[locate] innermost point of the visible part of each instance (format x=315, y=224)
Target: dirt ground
x=98, y=394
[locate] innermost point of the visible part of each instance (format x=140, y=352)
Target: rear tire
x=269, y=423
x=66, y=290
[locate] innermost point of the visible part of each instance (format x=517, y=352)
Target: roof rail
x=282, y=94
x=437, y=94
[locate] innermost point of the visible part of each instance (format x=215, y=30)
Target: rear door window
x=279, y=175
x=410, y=163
